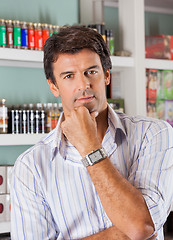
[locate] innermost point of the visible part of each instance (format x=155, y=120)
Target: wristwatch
x=94, y=157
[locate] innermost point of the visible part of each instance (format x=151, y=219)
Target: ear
x=53, y=88
x=107, y=77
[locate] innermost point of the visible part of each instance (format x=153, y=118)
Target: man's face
x=80, y=80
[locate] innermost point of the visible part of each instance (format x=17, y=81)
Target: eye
x=92, y=72
x=69, y=76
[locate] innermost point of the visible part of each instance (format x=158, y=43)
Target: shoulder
x=36, y=157
x=145, y=122
x=146, y=128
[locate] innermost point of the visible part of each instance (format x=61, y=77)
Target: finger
x=94, y=114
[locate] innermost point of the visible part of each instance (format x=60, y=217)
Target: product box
x=117, y=104
x=5, y=207
x=5, y=172
x=159, y=46
x=168, y=84
x=113, y=90
x=3, y=179
x=169, y=111
x=151, y=109
x=160, y=87
x=152, y=85
x=160, y=109
x=146, y=81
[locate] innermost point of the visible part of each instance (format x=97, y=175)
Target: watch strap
x=87, y=161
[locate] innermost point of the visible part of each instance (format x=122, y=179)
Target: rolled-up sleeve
x=152, y=171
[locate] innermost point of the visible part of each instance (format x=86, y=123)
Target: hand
x=153, y=237
x=80, y=129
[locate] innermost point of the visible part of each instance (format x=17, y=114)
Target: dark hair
x=72, y=40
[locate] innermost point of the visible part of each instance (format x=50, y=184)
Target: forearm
x=123, y=203
x=111, y=233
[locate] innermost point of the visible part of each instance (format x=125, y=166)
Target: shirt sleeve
x=31, y=217
x=152, y=171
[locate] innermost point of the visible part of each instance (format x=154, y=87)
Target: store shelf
x=159, y=64
x=21, y=58
x=34, y=59
x=122, y=62
x=4, y=227
x=20, y=139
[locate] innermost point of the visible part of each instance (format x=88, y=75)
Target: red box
x=159, y=46
x=3, y=179
x=151, y=85
x=5, y=207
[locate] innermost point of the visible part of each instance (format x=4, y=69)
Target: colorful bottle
x=3, y=38
x=111, y=43
x=31, y=37
x=50, y=30
x=16, y=34
x=38, y=36
x=9, y=32
x=48, y=117
x=24, y=35
x=45, y=30
x=3, y=116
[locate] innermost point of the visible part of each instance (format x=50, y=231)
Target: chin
x=90, y=108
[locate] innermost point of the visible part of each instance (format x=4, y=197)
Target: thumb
x=94, y=115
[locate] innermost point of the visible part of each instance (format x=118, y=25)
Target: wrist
x=89, y=149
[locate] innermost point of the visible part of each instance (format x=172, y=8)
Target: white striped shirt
x=53, y=197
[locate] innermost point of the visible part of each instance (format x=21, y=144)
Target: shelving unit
x=21, y=58
x=28, y=58
x=132, y=35
x=34, y=59
x=20, y=139
x=159, y=64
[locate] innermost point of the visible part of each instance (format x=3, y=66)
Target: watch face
x=95, y=156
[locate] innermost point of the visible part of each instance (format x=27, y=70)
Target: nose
x=83, y=83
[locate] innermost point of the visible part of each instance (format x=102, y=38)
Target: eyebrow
x=64, y=73
x=71, y=72
x=94, y=66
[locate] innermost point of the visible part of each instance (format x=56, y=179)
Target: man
x=98, y=174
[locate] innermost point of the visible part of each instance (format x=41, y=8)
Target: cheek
x=66, y=95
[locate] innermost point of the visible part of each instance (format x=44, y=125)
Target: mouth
x=85, y=99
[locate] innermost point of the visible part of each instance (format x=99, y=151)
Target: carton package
x=146, y=81
x=160, y=109
x=168, y=84
x=152, y=85
x=117, y=104
x=159, y=46
x=169, y=111
x=151, y=109
x=5, y=207
x=160, y=87
x=3, y=180
x=5, y=172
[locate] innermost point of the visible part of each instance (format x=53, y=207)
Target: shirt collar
x=115, y=122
